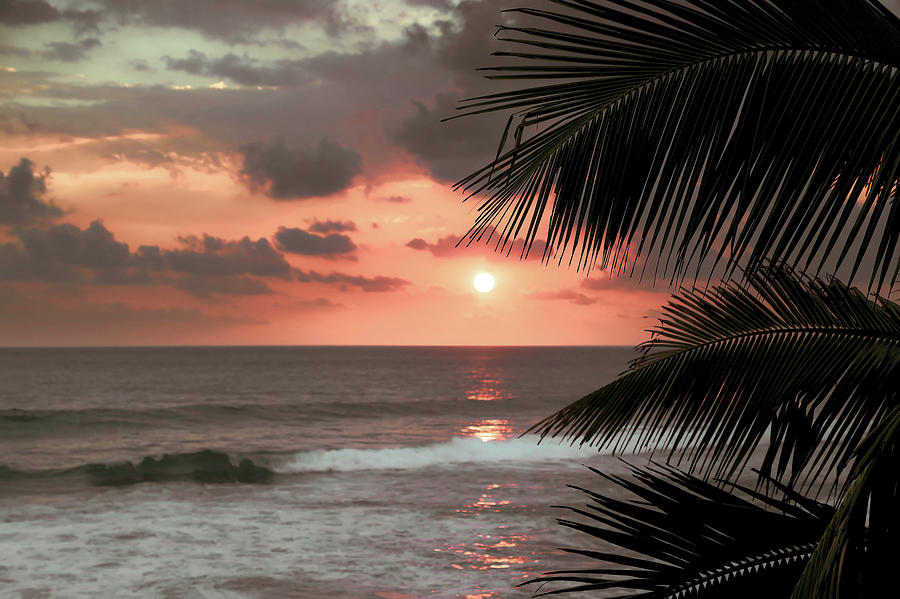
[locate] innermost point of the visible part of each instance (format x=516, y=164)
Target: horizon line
x=298, y=346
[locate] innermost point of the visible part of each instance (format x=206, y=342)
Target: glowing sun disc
x=483, y=282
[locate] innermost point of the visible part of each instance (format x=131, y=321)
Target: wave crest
x=457, y=451
x=201, y=466
x=209, y=466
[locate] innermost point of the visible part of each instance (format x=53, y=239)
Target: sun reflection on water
x=488, y=430
x=495, y=549
x=485, y=384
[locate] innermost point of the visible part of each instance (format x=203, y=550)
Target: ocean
x=207, y=473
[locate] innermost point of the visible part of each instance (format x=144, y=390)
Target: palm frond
x=853, y=557
x=684, y=537
x=817, y=361
x=697, y=132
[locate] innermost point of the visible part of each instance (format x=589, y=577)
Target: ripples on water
x=395, y=472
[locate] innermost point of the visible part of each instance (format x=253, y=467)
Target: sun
x=483, y=282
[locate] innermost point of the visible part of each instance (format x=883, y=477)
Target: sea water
x=288, y=472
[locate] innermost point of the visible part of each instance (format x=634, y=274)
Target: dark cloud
x=56, y=254
x=122, y=276
x=604, y=281
x=485, y=245
x=205, y=286
x=141, y=66
x=417, y=244
x=332, y=226
x=172, y=154
x=7, y=50
x=18, y=124
x=210, y=255
x=317, y=91
x=94, y=247
x=442, y=248
x=150, y=257
x=69, y=52
x=27, y=12
x=397, y=199
x=453, y=149
x=319, y=302
x=231, y=20
x=37, y=12
x=382, y=77
x=146, y=157
x=298, y=241
x=22, y=195
x=568, y=295
x=444, y=4
x=371, y=285
x=242, y=70
x=287, y=173
x=16, y=264
x=203, y=266
x=432, y=66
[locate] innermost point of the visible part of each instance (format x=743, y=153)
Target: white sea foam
x=435, y=535
x=457, y=451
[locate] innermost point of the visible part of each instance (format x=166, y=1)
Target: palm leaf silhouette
x=817, y=361
x=727, y=132
x=685, y=537
x=862, y=535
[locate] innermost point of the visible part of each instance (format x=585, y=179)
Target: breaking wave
x=219, y=467
x=457, y=451
x=201, y=466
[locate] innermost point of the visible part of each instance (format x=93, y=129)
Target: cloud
x=22, y=195
x=141, y=66
x=442, y=248
x=69, y=52
x=205, y=286
x=446, y=247
x=121, y=276
x=242, y=70
x=604, y=281
x=397, y=199
x=332, y=226
x=93, y=247
x=376, y=284
x=286, y=173
x=23, y=13
x=568, y=295
x=304, y=243
x=58, y=253
x=317, y=90
x=202, y=266
x=230, y=20
x=7, y=50
x=18, y=124
x=319, y=302
x=18, y=265
x=382, y=76
x=208, y=255
x=454, y=149
x=451, y=150
x=27, y=12
x=417, y=244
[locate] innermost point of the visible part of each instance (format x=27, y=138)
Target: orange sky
x=352, y=138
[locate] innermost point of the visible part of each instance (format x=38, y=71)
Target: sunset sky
x=271, y=172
